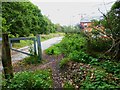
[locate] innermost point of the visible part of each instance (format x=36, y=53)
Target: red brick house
x=86, y=24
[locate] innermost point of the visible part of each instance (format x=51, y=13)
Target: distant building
x=85, y=24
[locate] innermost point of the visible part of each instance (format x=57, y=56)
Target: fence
x=6, y=56
x=17, y=40
x=36, y=44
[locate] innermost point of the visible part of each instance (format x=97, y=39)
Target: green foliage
x=68, y=86
x=72, y=42
x=58, y=28
x=114, y=19
x=108, y=27
x=98, y=79
x=111, y=25
x=53, y=50
x=99, y=44
x=63, y=62
x=24, y=18
x=31, y=60
x=30, y=80
x=71, y=29
x=22, y=44
x=4, y=26
x=50, y=27
x=111, y=67
x=80, y=56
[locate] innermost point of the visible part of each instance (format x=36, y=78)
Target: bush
x=80, y=56
x=31, y=60
x=99, y=44
x=53, y=50
x=30, y=80
x=72, y=42
x=98, y=79
x=111, y=67
x=69, y=43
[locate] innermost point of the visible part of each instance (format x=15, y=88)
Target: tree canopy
x=24, y=18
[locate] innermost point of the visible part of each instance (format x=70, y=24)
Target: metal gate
x=17, y=40
x=37, y=45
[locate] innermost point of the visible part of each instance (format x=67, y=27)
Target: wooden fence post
x=39, y=47
x=6, y=57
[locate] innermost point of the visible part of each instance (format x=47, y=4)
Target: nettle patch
x=79, y=75
x=24, y=80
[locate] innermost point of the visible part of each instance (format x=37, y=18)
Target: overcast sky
x=69, y=12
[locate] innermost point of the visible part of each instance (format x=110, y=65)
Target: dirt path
x=53, y=64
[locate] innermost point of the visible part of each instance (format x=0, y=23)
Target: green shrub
x=30, y=80
x=80, y=56
x=98, y=80
x=69, y=43
x=111, y=67
x=53, y=50
x=72, y=42
x=31, y=60
x=99, y=44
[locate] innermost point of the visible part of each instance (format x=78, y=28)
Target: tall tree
x=23, y=18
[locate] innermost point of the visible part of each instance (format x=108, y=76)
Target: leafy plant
x=53, y=50
x=31, y=60
x=98, y=79
x=72, y=42
x=98, y=44
x=80, y=56
x=111, y=67
x=68, y=86
x=30, y=80
x=63, y=62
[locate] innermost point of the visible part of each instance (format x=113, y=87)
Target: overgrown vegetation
x=109, y=27
x=31, y=60
x=75, y=48
x=85, y=64
x=40, y=79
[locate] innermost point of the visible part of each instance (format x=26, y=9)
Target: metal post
x=39, y=47
x=35, y=50
x=6, y=57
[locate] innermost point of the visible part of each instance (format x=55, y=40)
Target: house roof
x=88, y=19
x=85, y=20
